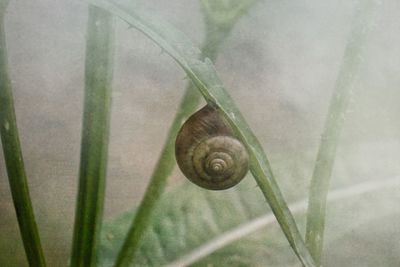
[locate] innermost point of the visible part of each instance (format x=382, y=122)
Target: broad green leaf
x=367, y=239
x=233, y=228
x=186, y=217
x=204, y=76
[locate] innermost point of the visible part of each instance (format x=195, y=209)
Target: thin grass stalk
x=95, y=135
x=166, y=161
x=157, y=184
x=339, y=103
x=14, y=161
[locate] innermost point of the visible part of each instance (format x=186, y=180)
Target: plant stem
x=158, y=180
x=163, y=169
x=14, y=161
x=215, y=35
x=95, y=135
x=333, y=126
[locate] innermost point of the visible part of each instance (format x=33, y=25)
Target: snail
x=207, y=152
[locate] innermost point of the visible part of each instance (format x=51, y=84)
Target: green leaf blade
x=204, y=76
x=14, y=160
x=320, y=181
x=95, y=134
x=215, y=35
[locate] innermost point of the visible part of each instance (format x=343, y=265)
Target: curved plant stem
x=333, y=126
x=215, y=35
x=95, y=134
x=13, y=159
x=204, y=76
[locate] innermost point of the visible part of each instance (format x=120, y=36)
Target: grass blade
x=95, y=134
x=163, y=169
x=203, y=75
x=215, y=35
x=319, y=186
x=13, y=159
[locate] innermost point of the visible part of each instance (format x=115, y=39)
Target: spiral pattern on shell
x=207, y=152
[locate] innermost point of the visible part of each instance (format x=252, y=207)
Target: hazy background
x=279, y=65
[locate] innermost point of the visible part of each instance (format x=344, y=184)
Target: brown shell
x=207, y=152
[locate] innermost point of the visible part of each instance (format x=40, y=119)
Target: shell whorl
x=207, y=152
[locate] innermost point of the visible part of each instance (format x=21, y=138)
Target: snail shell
x=207, y=152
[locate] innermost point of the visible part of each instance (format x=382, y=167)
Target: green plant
x=220, y=17
x=334, y=123
x=13, y=158
x=94, y=146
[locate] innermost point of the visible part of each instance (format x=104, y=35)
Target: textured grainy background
x=279, y=65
